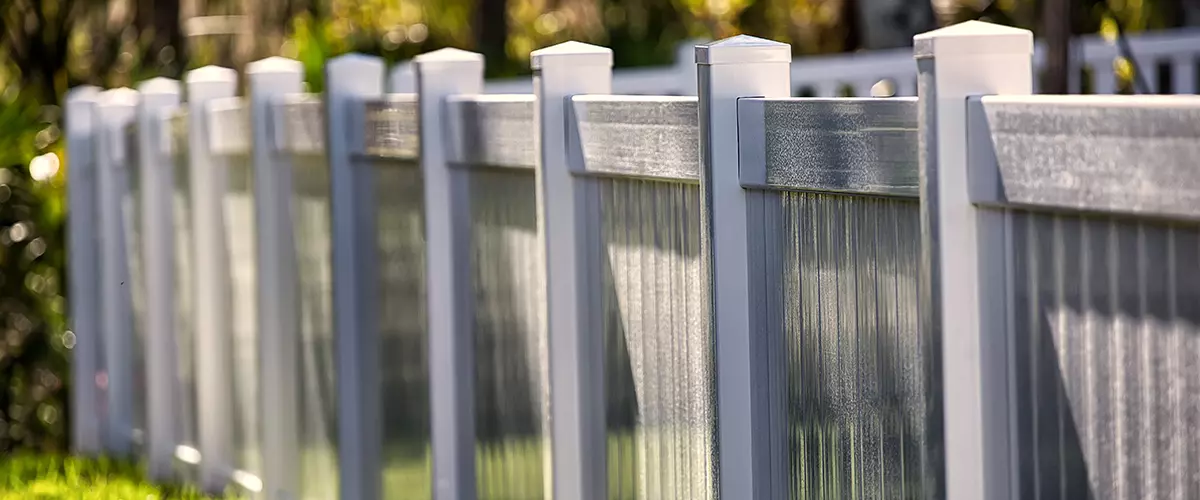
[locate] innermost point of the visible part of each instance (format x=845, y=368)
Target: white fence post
x=576, y=355
x=350, y=80
x=115, y=111
x=84, y=269
x=963, y=262
x=208, y=179
x=160, y=98
x=269, y=80
x=449, y=289
x=742, y=66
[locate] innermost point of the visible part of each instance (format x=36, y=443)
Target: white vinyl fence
x=409, y=288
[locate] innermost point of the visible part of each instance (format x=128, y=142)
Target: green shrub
x=51, y=477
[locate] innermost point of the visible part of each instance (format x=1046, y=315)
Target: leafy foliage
x=33, y=356
x=51, y=477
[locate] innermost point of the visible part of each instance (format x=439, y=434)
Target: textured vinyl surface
x=317, y=399
x=659, y=379
x=511, y=399
x=1105, y=331
x=185, y=330
x=847, y=362
x=238, y=211
x=404, y=353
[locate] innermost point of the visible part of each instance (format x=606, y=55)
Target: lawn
x=53, y=477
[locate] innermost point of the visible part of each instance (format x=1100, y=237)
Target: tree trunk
x=887, y=24
x=1056, y=30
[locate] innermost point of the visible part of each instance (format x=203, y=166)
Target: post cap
x=211, y=74
x=448, y=54
x=350, y=62
x=123, y=96
x=742, y=49
x=275, y=64
x=159, y=85
x=82, y=93
x=580, y=54
x=971, y=39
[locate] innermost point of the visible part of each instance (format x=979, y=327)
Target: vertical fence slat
x=350, y=80
x=741, y=66
x=964, y=266
x=576, y=360
x=84, y=322
x=160, y=97
x=269, y=80
x=207, y=173
x=440, y=74
x=115, y=111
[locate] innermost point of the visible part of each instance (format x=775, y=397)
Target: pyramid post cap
x=159, y=85
x=275, y=64
x=973, y=38
x=743, y=49
x=579, y=54
x=119, y=97
x=82, y=93
x=347, y=62
x=210, y=74
x=448, y=54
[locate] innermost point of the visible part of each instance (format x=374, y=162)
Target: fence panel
x=397, y=237
x=639, y=155
x=128, y=184
x=187, y=428
x=1098, y=288
x=307, y=321
x=834, y=234
x=489, y=144
x=229, y=139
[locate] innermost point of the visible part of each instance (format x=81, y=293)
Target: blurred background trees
x=48, y=46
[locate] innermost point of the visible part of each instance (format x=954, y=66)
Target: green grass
x=52, y=477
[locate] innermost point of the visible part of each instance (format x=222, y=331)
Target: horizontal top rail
x=654, y=137
x=229, y=126
x=391, y=130
x=1114, y=154
x=492, y=130
x=861, y=146
x=299, y=124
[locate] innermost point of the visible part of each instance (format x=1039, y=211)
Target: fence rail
x=407, y=288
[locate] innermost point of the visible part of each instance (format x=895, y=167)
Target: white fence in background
x=411, y=289
x=1169, y=63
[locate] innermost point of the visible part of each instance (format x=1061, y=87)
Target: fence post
x=269, y=80
x=742, y=66
x=449, y=287
x=350, y=80
x=576, y=354
x=84, y=321
x=208, y=178
x=160, y=97
x=115, y=111
x=963, y=261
